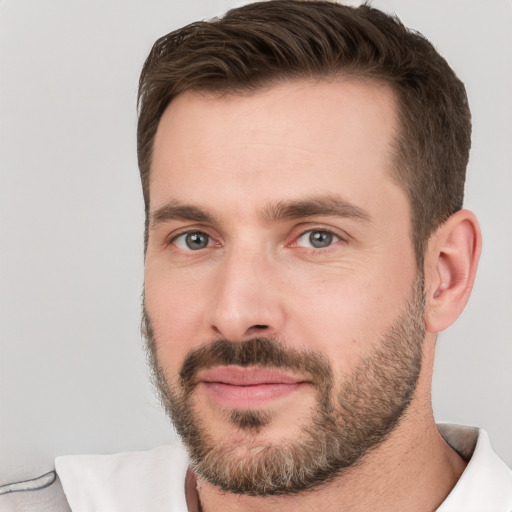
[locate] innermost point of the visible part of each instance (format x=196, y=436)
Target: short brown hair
x=281, y=40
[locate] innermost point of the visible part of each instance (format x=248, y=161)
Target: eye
x=192, y=241
x=317, y=238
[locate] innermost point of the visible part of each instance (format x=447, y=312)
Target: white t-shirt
x=154, y=480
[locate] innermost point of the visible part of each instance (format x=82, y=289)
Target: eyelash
x=184, y=234
x=338, y=238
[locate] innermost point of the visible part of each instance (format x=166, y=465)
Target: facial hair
x=344, y=428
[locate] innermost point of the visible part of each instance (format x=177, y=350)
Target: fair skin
x=235, y=159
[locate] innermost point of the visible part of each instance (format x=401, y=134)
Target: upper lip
x=247, y=376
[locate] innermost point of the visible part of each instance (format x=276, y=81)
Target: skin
x=236, y=158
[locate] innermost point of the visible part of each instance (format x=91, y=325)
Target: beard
x=344, y=427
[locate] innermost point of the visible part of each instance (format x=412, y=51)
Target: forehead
x=316, y=137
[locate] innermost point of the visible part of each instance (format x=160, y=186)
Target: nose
x=247, y=297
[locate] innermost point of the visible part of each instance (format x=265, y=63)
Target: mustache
x=262, y=352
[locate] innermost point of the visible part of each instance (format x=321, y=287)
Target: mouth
x=236, y=387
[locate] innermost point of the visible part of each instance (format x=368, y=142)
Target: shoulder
x=40, y=494
x=130, y=481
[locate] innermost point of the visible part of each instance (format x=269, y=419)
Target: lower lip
x=251, y=396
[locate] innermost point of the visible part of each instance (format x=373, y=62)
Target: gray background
x=72, y=371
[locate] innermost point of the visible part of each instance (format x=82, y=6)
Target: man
x=303, y=169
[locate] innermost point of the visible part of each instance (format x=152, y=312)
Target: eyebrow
x=177, y=211
x=275, y=212
x=324, y=205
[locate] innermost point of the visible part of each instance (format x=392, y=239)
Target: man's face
x=282, y=301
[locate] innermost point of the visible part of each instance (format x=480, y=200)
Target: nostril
x=259, y=327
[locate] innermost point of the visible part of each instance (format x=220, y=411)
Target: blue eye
x=317, y=238
x=192, y=241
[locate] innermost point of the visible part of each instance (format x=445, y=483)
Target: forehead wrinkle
x=310, y=207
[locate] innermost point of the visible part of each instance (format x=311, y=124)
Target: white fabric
x=145, y=481
x=486, y=484
x=154, y=480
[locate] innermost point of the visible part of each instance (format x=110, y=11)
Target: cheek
x=337, y=321
x=345, y=318
x=175, y=306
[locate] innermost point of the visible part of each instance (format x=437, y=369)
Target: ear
x=450, y=269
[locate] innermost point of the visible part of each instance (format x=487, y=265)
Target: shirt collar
x=486, y=483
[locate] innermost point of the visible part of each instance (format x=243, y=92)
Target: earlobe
x=450, y=269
